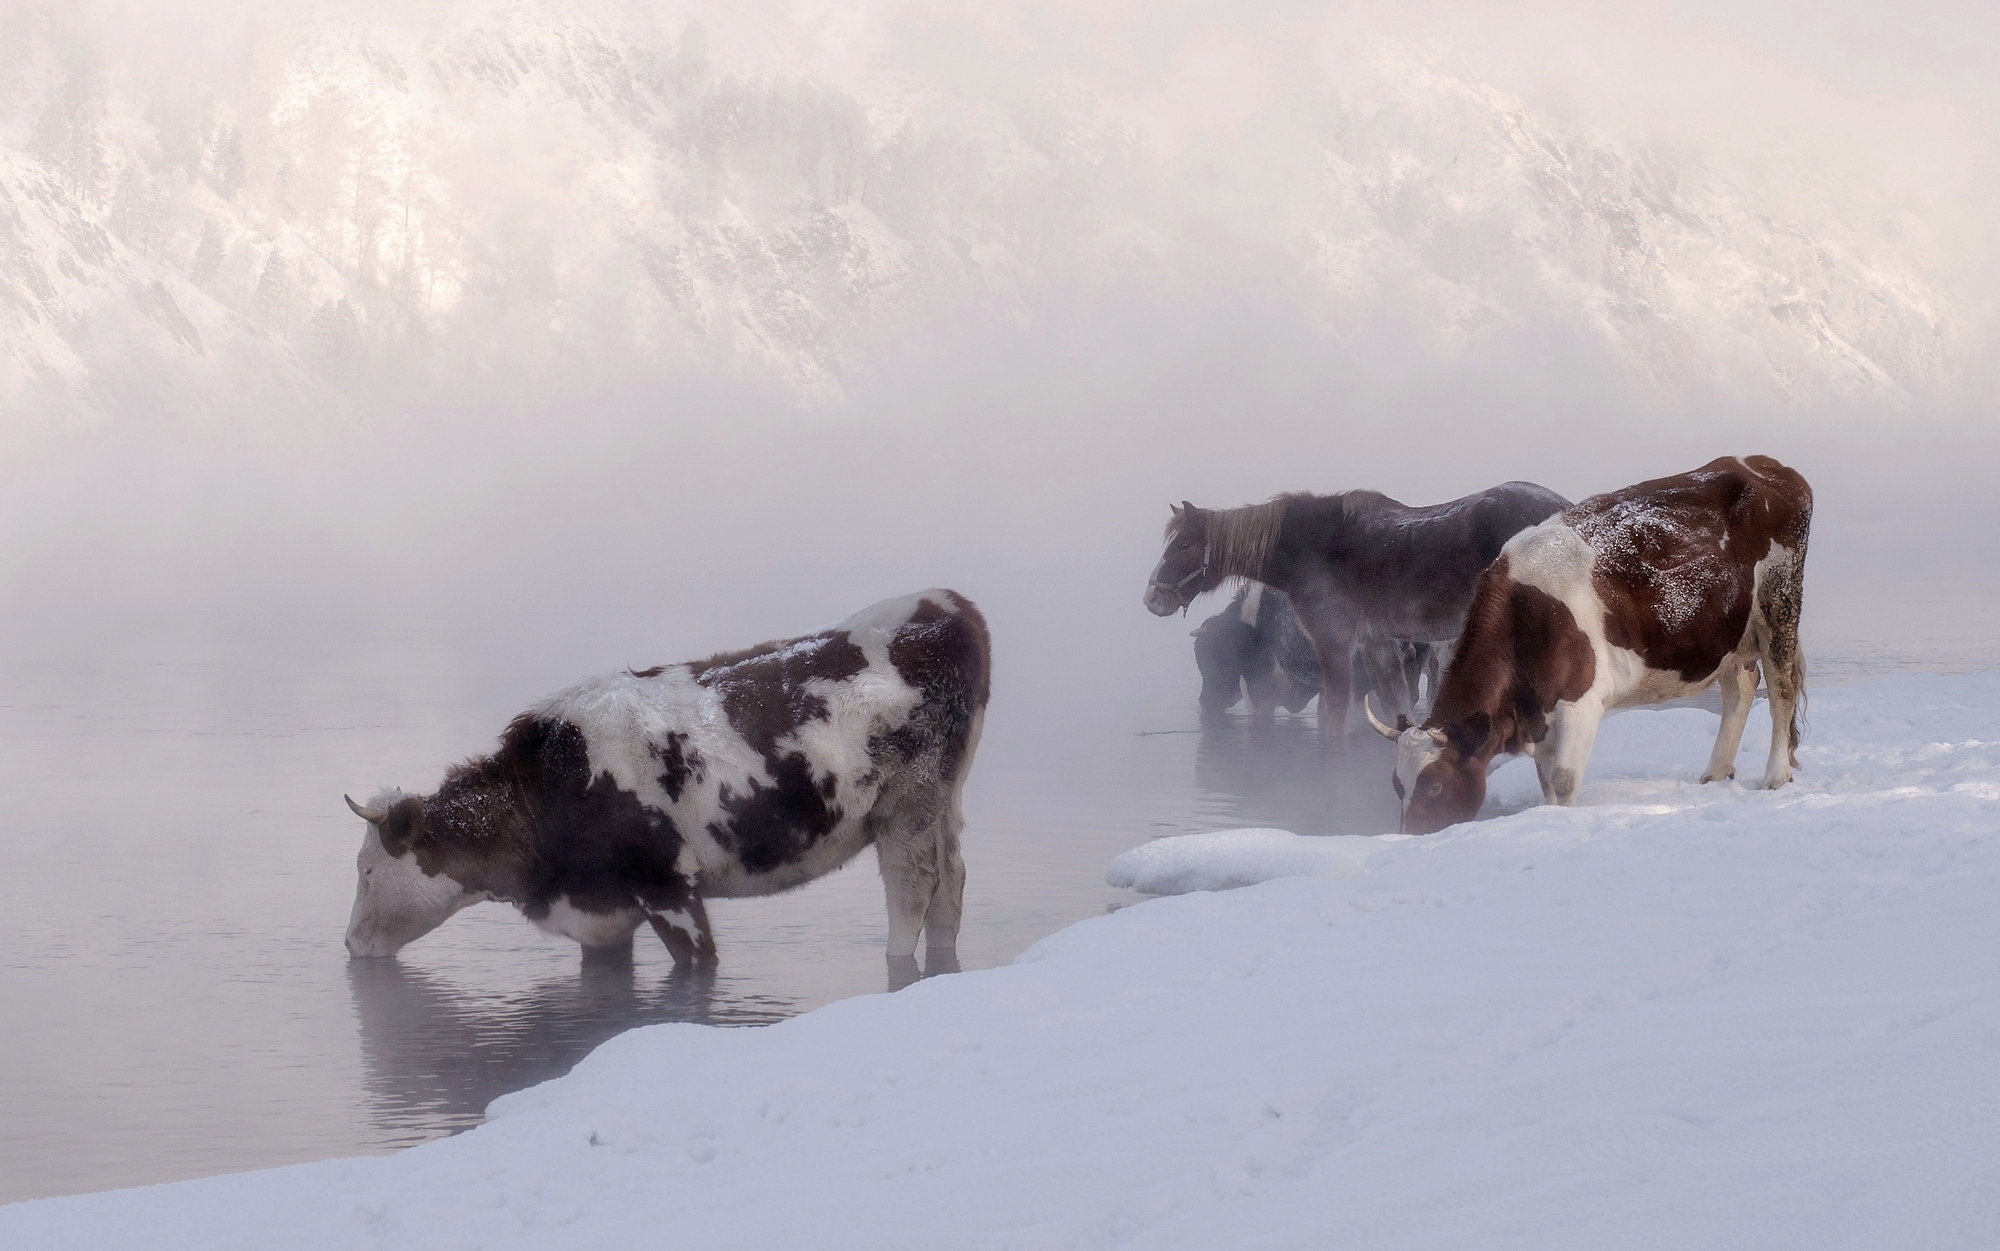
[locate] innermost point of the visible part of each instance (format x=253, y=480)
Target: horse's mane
x=1240, y=539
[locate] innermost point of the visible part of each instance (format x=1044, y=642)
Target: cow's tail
x=1781, y=595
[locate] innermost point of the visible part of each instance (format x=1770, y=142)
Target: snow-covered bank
x=1642, y=757
x=1674, y=1016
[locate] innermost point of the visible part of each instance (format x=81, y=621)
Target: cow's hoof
x=1563, y=785
x=1718, y=777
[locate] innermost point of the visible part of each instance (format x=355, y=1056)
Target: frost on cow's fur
x=1635, y=539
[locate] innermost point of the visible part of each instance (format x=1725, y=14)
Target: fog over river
x=369, y=371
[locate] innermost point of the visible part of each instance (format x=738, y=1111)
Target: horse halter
x=1207, y=546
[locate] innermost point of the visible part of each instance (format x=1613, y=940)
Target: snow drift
x=1227, y=859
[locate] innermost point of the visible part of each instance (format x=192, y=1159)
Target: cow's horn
x=1368, y=706
x=1196, y=632
x=373, y=816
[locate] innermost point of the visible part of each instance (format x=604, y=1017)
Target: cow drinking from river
x=1256, y=647
x=1648, y=593
x=630, y=798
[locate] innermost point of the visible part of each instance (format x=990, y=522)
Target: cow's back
x=942, y=650
x=1675, y=562
x=764, y=763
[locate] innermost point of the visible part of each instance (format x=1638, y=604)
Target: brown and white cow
x=629, y=798
x=1648, y=593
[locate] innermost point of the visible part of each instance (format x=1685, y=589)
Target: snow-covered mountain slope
x=520, y=191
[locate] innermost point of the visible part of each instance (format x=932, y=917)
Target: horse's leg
x=1441, y=658
x=1411, y=671
x=1334, y=646
x=1372, y=676
x=1397, y=688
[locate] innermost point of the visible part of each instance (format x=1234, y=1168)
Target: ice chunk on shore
x=1227, y=859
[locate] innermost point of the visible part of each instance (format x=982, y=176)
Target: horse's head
x=1185, y=569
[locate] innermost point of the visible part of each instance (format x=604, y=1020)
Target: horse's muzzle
x=1161, y=600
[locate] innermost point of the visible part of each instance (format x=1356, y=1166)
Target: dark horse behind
x=1357, y=566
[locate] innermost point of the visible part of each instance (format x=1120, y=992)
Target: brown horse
x=1357, y=565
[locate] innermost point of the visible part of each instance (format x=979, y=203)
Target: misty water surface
x=184, y=867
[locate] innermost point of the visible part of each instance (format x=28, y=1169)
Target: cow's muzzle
x=359, y=948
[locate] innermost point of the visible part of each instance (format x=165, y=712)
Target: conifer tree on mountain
x=207, y=256
x=226, y=172
x=271, y=304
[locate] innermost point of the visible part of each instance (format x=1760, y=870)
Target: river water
x=180, y=869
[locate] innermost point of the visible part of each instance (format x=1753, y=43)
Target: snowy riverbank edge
x=1672, y=1016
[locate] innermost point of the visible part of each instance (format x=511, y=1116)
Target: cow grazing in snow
x=632, y=797
x=1648, y=593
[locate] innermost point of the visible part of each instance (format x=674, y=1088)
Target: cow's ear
x=399, y=828
x=1402, y=722
x=1470, y=734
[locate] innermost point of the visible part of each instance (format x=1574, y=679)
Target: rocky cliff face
x=498, y=194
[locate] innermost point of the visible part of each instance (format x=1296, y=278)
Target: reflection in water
x=435, y=1054
x=903, y=970
x=1279, y=773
